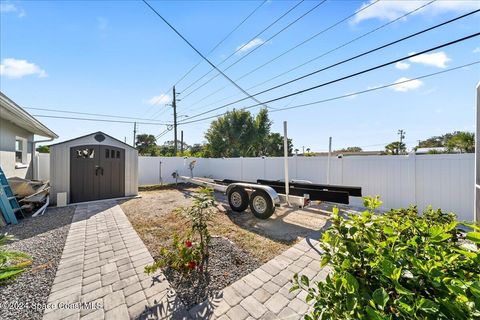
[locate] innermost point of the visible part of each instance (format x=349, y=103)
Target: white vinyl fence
x=42, y=166
x=444, y=181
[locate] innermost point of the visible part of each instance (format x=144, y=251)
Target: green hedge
x=397, y=265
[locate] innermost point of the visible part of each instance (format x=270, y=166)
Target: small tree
x=190, y=252
x=43, y=149
x=395, y=148
x=146, y=144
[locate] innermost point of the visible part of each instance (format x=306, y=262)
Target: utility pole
x=134, y=133
x=401, y=133
x=174, y=105
x=181, y=143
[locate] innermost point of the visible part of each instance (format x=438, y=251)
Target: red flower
x=188, y=243
x=192, y=265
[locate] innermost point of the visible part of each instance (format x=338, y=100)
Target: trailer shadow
x=285, y=225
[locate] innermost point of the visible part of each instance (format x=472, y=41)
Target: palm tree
x=395, y=148
x=296, y=151
x=308, y=150
x=462, y=141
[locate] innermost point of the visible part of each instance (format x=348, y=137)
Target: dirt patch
x=156, y=216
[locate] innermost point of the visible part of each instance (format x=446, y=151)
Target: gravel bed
x=227, y=263
x=43, y=238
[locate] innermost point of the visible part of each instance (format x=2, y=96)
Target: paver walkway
x=101, y=276
x=264, y=293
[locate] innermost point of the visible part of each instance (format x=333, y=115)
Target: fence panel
x=443, y=181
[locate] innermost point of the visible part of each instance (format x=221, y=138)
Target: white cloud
x=15, y=69
x=404, y=86
x=160, y=99
x=11, y=8
x=390, y=10
x=476, y=50
x=436, y=59
x=402, y=65
x=250, y=45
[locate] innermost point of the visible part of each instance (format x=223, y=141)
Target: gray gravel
x=43, y=238
x=227, y=263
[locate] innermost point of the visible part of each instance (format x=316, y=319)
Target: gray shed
x=93, y=167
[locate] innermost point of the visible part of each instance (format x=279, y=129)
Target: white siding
x=8, y=134
x=60, y=164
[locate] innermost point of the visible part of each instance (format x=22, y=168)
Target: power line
x=259, y=46
x=99, y=120
x=346, y=95
x=86, y=113
x=242, y=46
x=200, y=54
x=222, y=41
x=213, y=49
x=345, y=61
x=313, y=59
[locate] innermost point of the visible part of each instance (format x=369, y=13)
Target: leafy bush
x=12, y=263
x=399, y=265
x=183, y=256
x=190, y=252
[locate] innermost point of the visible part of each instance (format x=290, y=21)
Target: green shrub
x=190, y=252
x=12, y=263
x=398, y=265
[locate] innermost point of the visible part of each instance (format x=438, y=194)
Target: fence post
x=412, y=174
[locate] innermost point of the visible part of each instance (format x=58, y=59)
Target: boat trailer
x=263, y=196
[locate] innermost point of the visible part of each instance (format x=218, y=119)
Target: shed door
x=96, y=172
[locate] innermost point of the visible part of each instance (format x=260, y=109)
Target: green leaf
x=387, y=268
x=474, y=236
x=402, y=290
x=373, y=314
x=428, y=306
x=475, y=289
x=351, y=283
x=325, y=260
x=305, y=281
x=388, y=230
x=380, y=296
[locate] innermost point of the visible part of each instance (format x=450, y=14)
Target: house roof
x=12, y=112
x=91, y=134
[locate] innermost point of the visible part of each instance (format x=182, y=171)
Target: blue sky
x=118, y=58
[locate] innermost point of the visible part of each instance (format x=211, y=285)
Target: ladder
x=8, y=202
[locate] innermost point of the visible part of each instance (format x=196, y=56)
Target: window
x=107, y=153
x=118, y=154
x=87, y=153
x=112, y=154
x=20, y=150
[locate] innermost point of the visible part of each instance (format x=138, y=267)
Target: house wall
x=8, y=134
x=60, y=165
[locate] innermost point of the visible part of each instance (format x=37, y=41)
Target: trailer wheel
x=261, y=204
x=238, y=199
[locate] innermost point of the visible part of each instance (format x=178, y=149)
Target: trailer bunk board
x=316, y=192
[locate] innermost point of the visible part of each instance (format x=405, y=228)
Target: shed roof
x=12, y=112
x=91, y=134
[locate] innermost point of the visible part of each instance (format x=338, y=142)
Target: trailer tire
x=261, y=204
x=238, y=199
